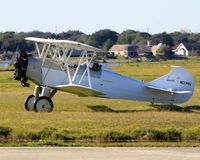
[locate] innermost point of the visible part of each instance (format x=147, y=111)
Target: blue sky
x=90, y=16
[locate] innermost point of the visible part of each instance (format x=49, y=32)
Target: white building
x=181, y=50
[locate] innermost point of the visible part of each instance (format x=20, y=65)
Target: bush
x=5, y=131
x=137, y=134
x=173, y=135
x=115, y=136
x=192, y=134
x=87, y=136
x=169, y=135
x=60, y=136
x=34, y=136
x=156, y=135
x=47, y=132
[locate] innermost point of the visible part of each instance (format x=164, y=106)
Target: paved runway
x=89, y=153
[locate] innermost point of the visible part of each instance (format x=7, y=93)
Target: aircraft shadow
x=102, y=108
x=159, y=107
x=176, y=108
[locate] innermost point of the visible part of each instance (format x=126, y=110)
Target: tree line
x=104, y=39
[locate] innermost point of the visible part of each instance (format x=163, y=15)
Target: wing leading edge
x=66, y=43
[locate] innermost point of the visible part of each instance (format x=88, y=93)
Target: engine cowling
x=21, y=68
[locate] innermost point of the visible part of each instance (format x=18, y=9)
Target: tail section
x=178, y=82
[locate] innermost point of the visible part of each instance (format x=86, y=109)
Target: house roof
x=142, y=48
x=174, y=47
x=132, y=48
x=179, y=46
x=119, y=47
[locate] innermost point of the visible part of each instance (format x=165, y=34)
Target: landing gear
x=40, y=101
x=29, y=103
x=43, y=104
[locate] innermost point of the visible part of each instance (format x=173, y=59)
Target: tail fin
x=179, y=82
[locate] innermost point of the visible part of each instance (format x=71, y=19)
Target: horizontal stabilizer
x=79, y=90
x=168, y=90
x=179, y=83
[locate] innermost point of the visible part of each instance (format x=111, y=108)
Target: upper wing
x=65, y=43
x=79, y=90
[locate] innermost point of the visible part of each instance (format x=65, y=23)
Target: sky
x=89, y=16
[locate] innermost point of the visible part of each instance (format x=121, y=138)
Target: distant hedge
x=136, y=135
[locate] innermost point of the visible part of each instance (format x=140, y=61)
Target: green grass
x=90, y=117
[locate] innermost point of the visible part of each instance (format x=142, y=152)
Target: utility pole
x=147, y=29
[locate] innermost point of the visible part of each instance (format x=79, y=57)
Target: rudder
x=179, y=81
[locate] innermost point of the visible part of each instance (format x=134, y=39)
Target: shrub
x=173, y=135
x=156, y=135
x=192, y=134
x=136, y=134
x=63, y=137
x=47, y=132
x=115, y=136
x=87, y=136
x=34, y=136
x=5, y=131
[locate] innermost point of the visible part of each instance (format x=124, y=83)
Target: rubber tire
x=27, y=101
x=43, y=98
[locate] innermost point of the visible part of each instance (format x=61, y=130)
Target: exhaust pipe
x=21, y=68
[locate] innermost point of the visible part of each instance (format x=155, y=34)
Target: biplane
x=52, y=71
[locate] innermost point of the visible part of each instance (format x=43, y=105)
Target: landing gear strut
x=40, y=101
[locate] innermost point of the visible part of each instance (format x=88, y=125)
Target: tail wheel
x=43, y=104
x=29, y=103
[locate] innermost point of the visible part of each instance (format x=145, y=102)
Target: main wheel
x=29, y=103
x=43, y=104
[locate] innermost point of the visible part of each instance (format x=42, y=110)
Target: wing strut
x=60, y=52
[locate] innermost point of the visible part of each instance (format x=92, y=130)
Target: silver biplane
x=52, y=71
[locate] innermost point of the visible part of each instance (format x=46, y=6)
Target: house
x=143, y=51
x=124, y=50
x=155, y=49
x=131, y=51
x=180, y=50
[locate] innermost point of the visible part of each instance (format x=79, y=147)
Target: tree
x=139, y=40
x=107, y=45
x=167, y=50
x=99, y=38
x=74, y=36
x=133, y=37
x=144, y=35
x=162, y=38
x=179, y=37
x=126, y=37
x=193, y=38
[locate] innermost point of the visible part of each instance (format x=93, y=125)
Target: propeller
x=14, y=58
x=19, y=60
x=10, y=61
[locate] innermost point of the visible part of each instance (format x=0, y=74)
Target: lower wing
x=79, y=90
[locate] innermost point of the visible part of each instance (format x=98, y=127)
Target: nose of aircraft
x=20, y=65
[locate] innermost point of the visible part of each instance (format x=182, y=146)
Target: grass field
x=103, y=120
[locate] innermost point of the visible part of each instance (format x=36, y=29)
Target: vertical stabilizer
x=178, y=81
